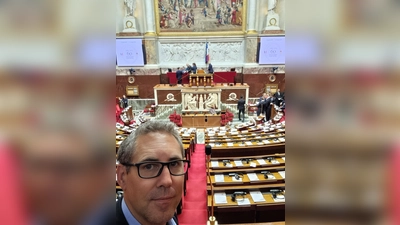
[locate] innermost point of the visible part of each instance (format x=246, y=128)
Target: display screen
x=129, y=52
x=272, y=50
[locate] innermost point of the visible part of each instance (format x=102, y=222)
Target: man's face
x=154, y=200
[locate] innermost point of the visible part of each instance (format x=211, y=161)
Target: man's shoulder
x=119, y=215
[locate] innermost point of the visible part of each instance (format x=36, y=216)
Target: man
x=150, y=172
x=210, y=68
x=124, y=101
x=179, y=75
x=188, y=68
x=278, y=97
x=267, y=106
x=260, y=104
x=240, y=107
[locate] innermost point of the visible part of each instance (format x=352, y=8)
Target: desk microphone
x=212, y=220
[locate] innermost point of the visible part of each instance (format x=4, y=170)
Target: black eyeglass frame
x=167, y=164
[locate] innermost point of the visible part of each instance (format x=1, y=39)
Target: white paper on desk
x=261, y=162
x=242, y=138
x=219, y=178
x=257, y=196
x=272, y=135
x=281, y=139
x=228, y=139
x=266, y=142
x=283, y=158
x=211, y=144
x=238, y=180
x=238, y=163
x=258, y=137
x=211, y=135
x=119, y=142
x=234, y=133
x=244, y=201
x=253, y=164
x=219, y=145
x=230, y=144
x=252, y=176
x=248, y=143
x=244, y=131
x=214, y=164
x=229, y=165
x=282, y=173
x=274, y=161
x=271, y=176
x=220, y=198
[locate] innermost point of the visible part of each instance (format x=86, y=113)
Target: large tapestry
x=200, y=17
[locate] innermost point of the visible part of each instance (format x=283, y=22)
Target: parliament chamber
x=205, y=69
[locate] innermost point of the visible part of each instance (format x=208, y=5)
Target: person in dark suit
x=151, y=173
x=267, y=106
x=188, y=68
x=179, y=75
x=210, y=68
x=241, y=107
x=278, y=97
x=124, y=101
x=260, y=104
x=194, y=68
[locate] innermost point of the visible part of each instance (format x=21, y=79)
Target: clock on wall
x=131, y=80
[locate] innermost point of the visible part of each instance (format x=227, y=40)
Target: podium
x=201, y=79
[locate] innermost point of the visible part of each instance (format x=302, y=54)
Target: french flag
x=207, y=54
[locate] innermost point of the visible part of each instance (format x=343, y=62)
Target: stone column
x=251, y=15
x=149, y=17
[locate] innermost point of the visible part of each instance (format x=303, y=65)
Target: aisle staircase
x=194, y=203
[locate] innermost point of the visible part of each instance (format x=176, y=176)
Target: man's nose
x=165, y=178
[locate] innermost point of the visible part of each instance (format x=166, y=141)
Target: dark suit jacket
x=194, y=69
x=210, y=68
x=280, y=95
x=179, y=74
x=240, y=104
x=120, y=218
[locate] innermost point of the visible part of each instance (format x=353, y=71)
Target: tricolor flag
x=207, y=54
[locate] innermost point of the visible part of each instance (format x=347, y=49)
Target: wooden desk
x=201, y=79
x=268, y=211
x=247, y=151
x=201, y=120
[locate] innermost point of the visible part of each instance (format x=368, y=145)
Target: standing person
x=267, y=107
x=179, y=75
x=260, y=104
x=278, y=97
x=240, y=107
x=124, y=101
x=188, y=68
x=151, y=173
x=194, y=68
x=234, y=16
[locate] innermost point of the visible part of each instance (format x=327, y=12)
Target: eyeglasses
x=147, y=170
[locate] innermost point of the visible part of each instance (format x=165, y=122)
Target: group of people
x=229, y=15
x=267, y=100
x=183, y=69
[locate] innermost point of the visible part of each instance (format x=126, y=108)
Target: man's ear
x=121, y=176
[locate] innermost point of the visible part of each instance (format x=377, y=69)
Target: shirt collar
x=131, y=219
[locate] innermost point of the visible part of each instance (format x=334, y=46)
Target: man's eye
x=148, y=166
x=174, y=164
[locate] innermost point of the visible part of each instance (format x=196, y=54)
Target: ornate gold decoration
x=272, y=22
x=129, y=24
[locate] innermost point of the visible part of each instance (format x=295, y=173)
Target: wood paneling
x=257, y=83
x=145, y=83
